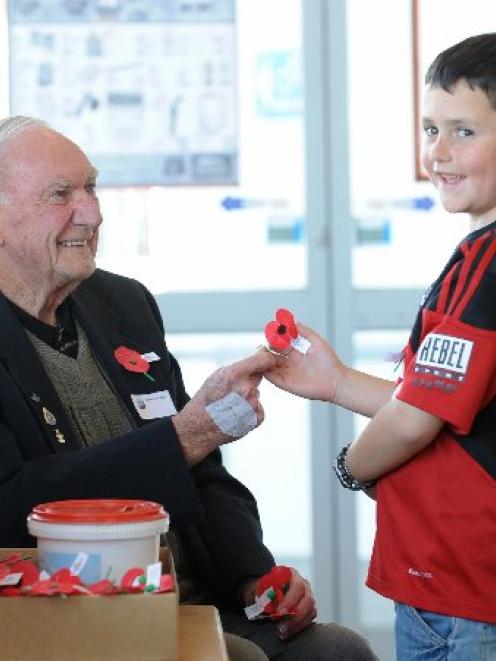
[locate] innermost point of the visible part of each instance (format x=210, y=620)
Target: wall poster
x=147, y=88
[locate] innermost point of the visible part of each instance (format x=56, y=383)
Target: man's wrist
x=194, y=445
x=247, y=591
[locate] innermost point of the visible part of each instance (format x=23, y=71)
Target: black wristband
x=345, y=477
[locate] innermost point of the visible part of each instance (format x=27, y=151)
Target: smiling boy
x=430, y=444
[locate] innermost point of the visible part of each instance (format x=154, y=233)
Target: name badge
x=154, y=405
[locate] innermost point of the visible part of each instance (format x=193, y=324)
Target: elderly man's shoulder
x=109, y=285
x=113, y=290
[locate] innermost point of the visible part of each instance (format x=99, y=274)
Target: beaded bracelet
x=345, y=477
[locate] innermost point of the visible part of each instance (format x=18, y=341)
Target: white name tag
x=11, y=579
x=150, y=357
x=154, y=405
x=445, y=352
x=301, y=344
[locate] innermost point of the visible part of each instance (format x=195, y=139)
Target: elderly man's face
x=50, y=215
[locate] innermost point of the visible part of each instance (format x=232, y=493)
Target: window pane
x=226, y=238
x=209, y=237
x=402, y=234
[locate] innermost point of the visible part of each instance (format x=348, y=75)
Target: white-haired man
x=71, y=425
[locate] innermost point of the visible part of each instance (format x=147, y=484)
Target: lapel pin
x=50, y=419
x=59, y=436
x=35, y=397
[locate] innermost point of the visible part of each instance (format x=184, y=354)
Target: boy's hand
x=315, y=375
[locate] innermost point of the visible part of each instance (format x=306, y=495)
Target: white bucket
x=112, y=535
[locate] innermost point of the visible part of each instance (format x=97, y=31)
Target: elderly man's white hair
x=10, y=127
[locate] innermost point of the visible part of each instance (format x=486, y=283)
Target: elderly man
x=76, y=423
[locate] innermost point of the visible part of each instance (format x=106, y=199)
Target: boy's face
x=459, y=150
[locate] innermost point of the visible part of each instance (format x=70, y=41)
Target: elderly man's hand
x=298, y=599
x=225, y=408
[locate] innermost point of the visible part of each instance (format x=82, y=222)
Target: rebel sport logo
x=444, y=356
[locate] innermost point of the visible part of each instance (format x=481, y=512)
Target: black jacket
x=216, y=514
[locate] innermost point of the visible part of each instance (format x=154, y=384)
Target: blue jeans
x=425, y=636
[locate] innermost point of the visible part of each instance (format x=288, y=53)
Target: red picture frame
x=420, y=174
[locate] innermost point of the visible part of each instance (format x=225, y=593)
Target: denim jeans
x=425, y=636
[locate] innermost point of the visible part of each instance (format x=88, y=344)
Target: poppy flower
x=166, y=584
x=64, y=575
x=279, y=578
x=104, y=586
x=11, y=592
x=45, y=588
x=28, y=569
x=132, y=361
x=278, y=581
x=134, y=580
x=281, y=332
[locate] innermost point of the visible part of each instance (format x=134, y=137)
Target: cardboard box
x=135, y=627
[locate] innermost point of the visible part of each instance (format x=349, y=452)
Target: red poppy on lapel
x=132, y=361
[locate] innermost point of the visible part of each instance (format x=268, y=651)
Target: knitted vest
x=87, y=399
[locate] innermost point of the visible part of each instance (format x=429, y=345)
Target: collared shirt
x=62, y=337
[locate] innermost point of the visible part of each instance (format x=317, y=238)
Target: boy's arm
x=397, y=433
x=320, y=374
x=363, y=393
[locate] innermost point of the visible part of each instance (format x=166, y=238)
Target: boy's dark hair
x=472, y=60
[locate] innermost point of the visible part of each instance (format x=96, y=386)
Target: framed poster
x=146, y=88
x=437, y=25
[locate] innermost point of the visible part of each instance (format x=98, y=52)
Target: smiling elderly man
x=71, y=415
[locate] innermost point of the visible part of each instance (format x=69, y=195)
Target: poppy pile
x=20, y=576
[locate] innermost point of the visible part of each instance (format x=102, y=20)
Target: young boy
x=432, y=436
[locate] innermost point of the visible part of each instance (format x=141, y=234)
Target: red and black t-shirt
x=435, y=545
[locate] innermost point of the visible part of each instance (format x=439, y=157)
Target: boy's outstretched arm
x=394, y=435
x=320, y=374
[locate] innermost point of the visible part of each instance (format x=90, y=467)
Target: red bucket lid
x=105, y=510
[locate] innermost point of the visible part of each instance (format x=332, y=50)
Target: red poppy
x=132, y=361
x=278, y=581
x=15, y=564
x=278, y=578
x=11, y=592
x=64, y=575
x=104, y=586
x=134, y=579
x=166, y=583
x=282, y=331
x=45, y=588
x=30, y=572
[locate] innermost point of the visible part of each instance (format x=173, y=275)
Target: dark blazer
x=216, y=514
